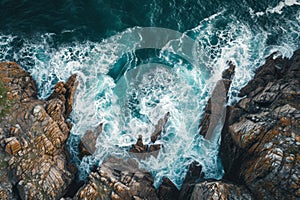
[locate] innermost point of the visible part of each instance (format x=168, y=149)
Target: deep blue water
x=95, y=40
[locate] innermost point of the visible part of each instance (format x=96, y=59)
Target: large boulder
x=215, y=110
x=118, y=179
x=261, y=137
x=219, y=190
x=33, y=135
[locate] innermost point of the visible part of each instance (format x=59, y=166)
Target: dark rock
x=193, y=176
x=260, y=144
x=167, y=190
x=142, y=151
x=215, y=111
x=87, y=145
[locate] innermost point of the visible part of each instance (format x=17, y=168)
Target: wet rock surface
x=120, y=179
x=143, y=151
x=87, y=145
x=33, y=135
x=167, y=190
x=261, y=137
x=215, y=112
x=193, y=177
x=219, y=190
x=259, y=147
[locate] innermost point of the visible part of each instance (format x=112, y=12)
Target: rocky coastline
x=259, y=148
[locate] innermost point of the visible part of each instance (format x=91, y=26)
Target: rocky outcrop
x=215, y=112
x=193, y=177
x=118, y=179
x=219, y=190
x=261, y=137
x=143, y=151
x=33, y=137
x=87, y=145
x=159, y=127
x=167, y=190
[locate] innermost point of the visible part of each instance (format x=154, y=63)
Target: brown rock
x=119, y=179
x=12, y=146
x=34, y=135
x=87, y=145
x=219, y=190
x=260, y=145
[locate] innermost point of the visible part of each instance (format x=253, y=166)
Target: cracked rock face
x=118, y=179
x=219, y=190
x=261, y=139
x=33, y=136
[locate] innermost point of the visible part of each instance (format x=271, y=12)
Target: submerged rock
x=261, y=137
x=33, y=137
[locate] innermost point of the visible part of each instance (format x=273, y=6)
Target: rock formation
x=33, y=135
x=219, y=190
x=87, y=145
x=215, y=112
x=167, y=190
x=143, y=151
x=261, y=137
x=118, y=179
x=259, y=148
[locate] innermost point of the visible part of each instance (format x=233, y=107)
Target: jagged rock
x=120, y=179
x=219, y=190
x=215, y=111
x=260, y=139
x=87, y=145
x=21, y=86
x=142, y=151
x=34, y=135
x=167, y=190
x=65, y=92
x=159, y=127
x=12, y=145
x=194, y=176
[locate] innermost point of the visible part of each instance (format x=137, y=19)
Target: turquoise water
x=95, y=40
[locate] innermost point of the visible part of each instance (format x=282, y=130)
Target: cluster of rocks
x=141, y=150
x=259, y=147
x=261, y=137
x=118, y=179
x=35, y=163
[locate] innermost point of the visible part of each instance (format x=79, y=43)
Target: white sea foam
x=180, y=90
x=278, y=9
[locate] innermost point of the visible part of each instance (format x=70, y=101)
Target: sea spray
x=181, y=90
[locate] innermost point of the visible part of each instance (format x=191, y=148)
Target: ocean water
x=127, y=86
